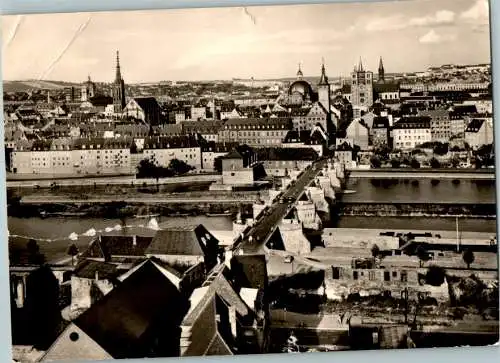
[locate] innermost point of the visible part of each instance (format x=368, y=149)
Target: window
x=355, y=275
x=404, y=276
x=387, y=276
x=394, y=274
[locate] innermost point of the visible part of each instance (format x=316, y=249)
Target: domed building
x=300, y=91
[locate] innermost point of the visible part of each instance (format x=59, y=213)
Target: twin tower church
x=360, y=87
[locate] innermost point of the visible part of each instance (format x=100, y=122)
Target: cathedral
x=301, y=92
x=361, y=88
x=118, y=88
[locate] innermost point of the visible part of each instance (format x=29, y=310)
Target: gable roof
x=74, y=344
x=121, y=320
x=109, y=246
x=250, y=270
x=223, y=288
x=188, y=240
x=89, y=269
x=380, y=123
x=233, y=154
x=475, y=125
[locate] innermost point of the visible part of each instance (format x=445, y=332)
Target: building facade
x=440, y=124
x=257, y=132
x=479, y=132
x=409, y=132
x=361, y=88
x=162, y=150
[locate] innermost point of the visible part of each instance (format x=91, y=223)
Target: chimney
x=134, y=240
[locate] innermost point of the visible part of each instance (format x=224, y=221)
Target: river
x=422, y=191
x=53, y=234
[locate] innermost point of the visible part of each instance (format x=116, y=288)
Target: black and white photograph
x=250, y=180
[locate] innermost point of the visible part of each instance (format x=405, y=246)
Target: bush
x=395, y=163
x=435, y=164
x=435, y=275
x=414, y=164
x=375, y=162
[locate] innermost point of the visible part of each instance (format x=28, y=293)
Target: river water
x=446, y=191
x=54, y=233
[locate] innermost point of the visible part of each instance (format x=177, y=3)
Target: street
x=257, y=236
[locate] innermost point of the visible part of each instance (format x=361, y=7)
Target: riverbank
x=127, y=209
x=424, y=173
x=408, y=209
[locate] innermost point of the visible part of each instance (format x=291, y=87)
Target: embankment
x=195, y=203
x=370, y=209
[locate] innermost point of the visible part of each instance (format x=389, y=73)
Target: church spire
x=118, y=76
x=360, y=66
x=299, y=73
x=381, y=71
x=324, y=79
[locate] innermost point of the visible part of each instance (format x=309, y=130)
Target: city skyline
x=231, y=42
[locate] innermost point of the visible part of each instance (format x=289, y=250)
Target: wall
x=409, y=138
x=358, y=133
x=198, y=334
x=281, y=167
x=208, y=158
x=82, y=162
x=190, y=155
x=81, y=298
x=340, y=282
x=293, y=238
x=238, y=177
x=338, y=237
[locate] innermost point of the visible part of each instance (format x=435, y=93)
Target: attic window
x=74, y=336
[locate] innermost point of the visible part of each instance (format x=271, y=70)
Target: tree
x=435, y=275
x=395, y=163
x=440, y=148
x=43, y=316
x=383, y=152
x=218, y=164
x=455, y=161
x=147, y=168
x=179, y=167
x=375, y=250
x=468, y=257
x=435, y=164
x=375, y=161
x=72, y=251
x=422, y=254
x=34, y=255
x=414, y=163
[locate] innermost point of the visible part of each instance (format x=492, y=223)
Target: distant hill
x=25, y=86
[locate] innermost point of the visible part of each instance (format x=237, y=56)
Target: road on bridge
x=257, y=236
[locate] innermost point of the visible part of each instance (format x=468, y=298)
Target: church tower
x=361, y=89
x=299, y=74
x=118, y=88
x=381, y=72
x=324, y=89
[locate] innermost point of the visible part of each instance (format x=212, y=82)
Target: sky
x=259, y=42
